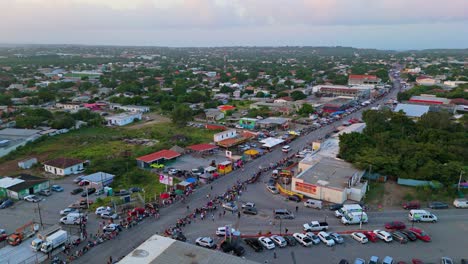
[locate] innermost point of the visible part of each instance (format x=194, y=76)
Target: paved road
x=128, y=240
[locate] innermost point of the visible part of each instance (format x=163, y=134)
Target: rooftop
x=362, y=76
x=99, y=177
x=202, y=147
x=412, y=110
x=18, y=133
x=63, y=163
x=6, y=182
x=163, y=250
x=28, y=181
x=273, y=120
x=162, y=154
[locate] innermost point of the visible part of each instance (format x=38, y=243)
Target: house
x=157, y=157
x=225, y=108
x=426, y=80
x=213, y=115
x=71, y=106
x=355, y=79
x=19, y=186
x=231, y=133
x=99, y=180
x=27, y=163
x=123, y=119
x=247, y=123
x=64, y=166
x=130, y=108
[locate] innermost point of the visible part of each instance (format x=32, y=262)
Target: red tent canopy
x=164, y=195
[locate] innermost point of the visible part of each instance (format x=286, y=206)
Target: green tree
x=306, y=109
x=298, y=95
x=181, y=115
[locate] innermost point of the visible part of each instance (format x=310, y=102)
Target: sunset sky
x=383, y=24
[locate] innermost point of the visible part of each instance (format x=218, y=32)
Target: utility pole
x=40, y=216
x=459, y=180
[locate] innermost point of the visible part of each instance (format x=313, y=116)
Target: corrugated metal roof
x=412, y=110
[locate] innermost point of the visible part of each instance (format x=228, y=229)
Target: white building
x=232, y=133
x=131, y=108
x=64, y=166
x=123, y=119
x=73, y=107
x=424, y=80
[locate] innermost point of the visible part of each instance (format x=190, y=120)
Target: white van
x=460, y=203
x=421, y=216
x=354, y=218
x=286, y=149
x=348, y=208
x=283, y=214
x=70, y=220
x=311, y=203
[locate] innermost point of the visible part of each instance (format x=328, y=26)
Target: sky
x=381, y=24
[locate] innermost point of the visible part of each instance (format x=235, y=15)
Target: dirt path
x=394, y=194
x=152, y=119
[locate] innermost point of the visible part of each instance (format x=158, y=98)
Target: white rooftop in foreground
x=163, y=250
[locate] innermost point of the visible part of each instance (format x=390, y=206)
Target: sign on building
x=167, y=180
x=228, y=154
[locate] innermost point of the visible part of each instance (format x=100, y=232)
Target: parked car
x=279, y=241
x=221, y=231
x=88, y=192
x=410, y=235
x=360, y=237
x=101, y=209
x=254, y=244
x=343, y=261
x=5, y=204
x=371, y=236
x=294, y=198
x=374, y=260
x=334, y=207
x=290, y=240
x=420, y=234
x=78, y=179
x=112, y=228
x=32, y=198
x=337, y=237
x=400, y=237
x=122, y=193
x=313, y=237
x=135, y=189
x=387, y=260
x=359, y=261
x=109, y=215
x=68, y=210
x=272, y=189
x=438, y=205
x=230, y=206
x=99, y=192
x=207, y=242
x=303, y=239
x=84, y=183
x=411, y=205
x=250, y=210
x=446, y=260
x=266, y=242
x=417, y=261
x=56, y=188
x=248, y=204
x=384, y=235
x=396, y=225
x=45, y=192
x=326, y=239
x=76, y=191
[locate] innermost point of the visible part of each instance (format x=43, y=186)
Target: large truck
x=315, y=226
x=354, y=218
x=42, y=236
x=22, y=233
x=348, y=208
x=54, y=241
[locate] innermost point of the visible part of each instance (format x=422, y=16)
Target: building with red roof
x=362, y=79
x=202, y=147
x=156, y=157
x=225, y=108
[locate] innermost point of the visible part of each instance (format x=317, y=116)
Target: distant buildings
x=123, y=119
x=130, y=108
x=426, y=80
x=341, y=90
x=355, y=79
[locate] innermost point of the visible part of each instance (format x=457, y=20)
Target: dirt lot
x=149, y=120
x=394, y=194
x=11, y=167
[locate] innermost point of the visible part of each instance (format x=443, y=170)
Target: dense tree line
x=433, y=148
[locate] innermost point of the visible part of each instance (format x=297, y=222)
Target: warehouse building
x=22, y=185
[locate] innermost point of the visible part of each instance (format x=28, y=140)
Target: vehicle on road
x=70, y=219
x=76, y=191
x=286, y=149
x=374, y=260
x=348, y=208
x=282, y=214
x=7, y=203
x=290, y=240
x=395, y=225
x=360, y=237
x=421, y=216
x=68, y=210
x=420, y=234
x=354, y=218
x=438, y=205
x=56, y=188
x=400, y=237
x=294, y=198
x=326, y=239
x=460, y=203
x=32, y=198
x=254, y=244
x=315, y=226
x=315, y=239
x=54, y=241
x=230, y=206
x=337, y=237
x=248, y=204
x=311, y=203
x=384, y=235
x=250, y=210
x=221, y=231
x=411, y=205
x=446, y=260
x=45, y=192
x=78, y=179
x=89, y=191
x=109, y=215
x=303, y=239
x=279, y=241
x=266, y=242
x=112, y=228
x=409, y=234
x=272, y=189
x=207, y=242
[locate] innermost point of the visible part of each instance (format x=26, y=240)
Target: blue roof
x=98, y=177
x=412, y=110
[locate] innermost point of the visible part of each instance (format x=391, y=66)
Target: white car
x=326, y=239
x=248, y=204
x=279, y=240
x=230, y=206
x=359, y=237
x=303, y=239
x=68, y=210
x=100, y=210
x=221, y=231
x=266, y=242
x=109, y=215
x=111, y=228
x=315, y=239
x=272, y=189
x=205, y=242
x=32, y=198
x=384, y=235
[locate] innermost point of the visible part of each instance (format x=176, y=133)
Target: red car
x=3, y=237
x=371, y=236
x=83, y=183
x=397, y=225
x=411, y=205
x=420, y=234
x=417, y=261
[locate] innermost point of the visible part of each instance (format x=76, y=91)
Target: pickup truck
x=315, y=226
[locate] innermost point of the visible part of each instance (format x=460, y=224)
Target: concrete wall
x=356, y=194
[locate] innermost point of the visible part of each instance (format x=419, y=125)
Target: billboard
x=306, y=187
x=167, y=180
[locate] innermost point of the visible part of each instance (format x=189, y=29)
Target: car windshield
x=422, y=233
x=327, y=238
x=306, y=239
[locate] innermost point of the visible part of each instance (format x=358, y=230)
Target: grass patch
x=375, y=193
x=426, y=194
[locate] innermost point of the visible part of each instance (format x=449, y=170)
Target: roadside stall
x=184, y=186
x=225, y=167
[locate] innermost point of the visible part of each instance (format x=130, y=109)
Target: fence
x=374, y=177
x=415, y=183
